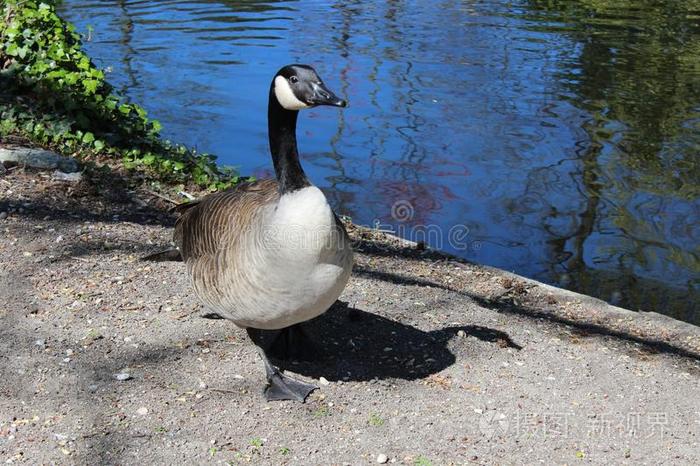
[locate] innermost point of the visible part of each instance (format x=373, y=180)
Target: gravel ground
x=425, y=359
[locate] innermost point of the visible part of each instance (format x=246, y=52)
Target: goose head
x=297, y=87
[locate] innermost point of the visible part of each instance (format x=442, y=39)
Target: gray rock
x=381, y=459
x=3, y=215
x=122, y=376
x=68, y=165
x=70, y=177
x=37, y=158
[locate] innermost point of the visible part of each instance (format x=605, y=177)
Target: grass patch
x=256, y=442
x=422, y=461
x=375, y=420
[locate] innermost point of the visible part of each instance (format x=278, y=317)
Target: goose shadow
x=354, y=345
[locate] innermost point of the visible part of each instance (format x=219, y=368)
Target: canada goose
x=270, y=254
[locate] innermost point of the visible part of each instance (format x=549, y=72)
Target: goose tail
x=164, y=256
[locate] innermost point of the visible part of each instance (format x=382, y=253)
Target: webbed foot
x=279, y=386
x=283, y=387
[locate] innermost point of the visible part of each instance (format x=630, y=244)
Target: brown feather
x=202, y=227
x=208, y=233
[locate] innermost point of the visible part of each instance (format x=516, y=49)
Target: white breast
x=299, y=266
x=303, y=211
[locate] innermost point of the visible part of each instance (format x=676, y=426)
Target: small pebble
x=142, y=411
x=3, y=215
x=59, y=238
x=323, y=381
x=381, y=459
x=122, y=376
x=70, y=177
x=461, y=333
x=40, y=343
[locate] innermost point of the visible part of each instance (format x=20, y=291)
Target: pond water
x=556, y=139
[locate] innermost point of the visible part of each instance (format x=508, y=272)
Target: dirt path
x=426, y=360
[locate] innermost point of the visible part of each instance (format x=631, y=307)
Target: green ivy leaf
x=90, y=85
x=12, y=50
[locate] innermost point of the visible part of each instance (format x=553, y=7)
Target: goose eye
x=294, y=79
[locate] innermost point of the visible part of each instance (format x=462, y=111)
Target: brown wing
x=202, y=226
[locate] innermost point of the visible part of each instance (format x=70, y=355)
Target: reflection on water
x=563, y=135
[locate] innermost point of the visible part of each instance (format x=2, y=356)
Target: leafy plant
x=422, y=461
x=375, y=420
x=256, y=442
x=52, y=94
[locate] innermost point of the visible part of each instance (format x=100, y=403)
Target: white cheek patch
x=285, y=95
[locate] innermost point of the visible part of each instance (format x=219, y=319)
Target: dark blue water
x=557, y=139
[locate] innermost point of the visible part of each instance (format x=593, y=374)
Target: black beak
x=323, y=96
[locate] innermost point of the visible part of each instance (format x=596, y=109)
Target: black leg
x=293, y=343
x=279, y=386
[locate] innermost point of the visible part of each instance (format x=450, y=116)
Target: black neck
x=282, y=126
